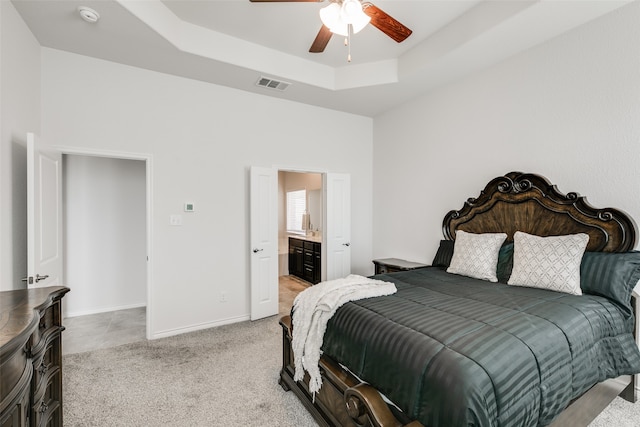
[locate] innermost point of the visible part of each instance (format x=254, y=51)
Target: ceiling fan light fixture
x=351, y=13
x=338, y=18
x=330, y=17
x=359, y=22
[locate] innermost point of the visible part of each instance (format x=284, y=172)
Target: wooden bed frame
x=514, y=202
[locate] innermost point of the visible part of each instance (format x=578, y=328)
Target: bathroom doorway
x=331, y=252
x=300, y=217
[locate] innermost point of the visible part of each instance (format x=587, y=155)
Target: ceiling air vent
x=272, y=84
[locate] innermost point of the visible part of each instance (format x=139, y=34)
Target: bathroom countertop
x=309, y=238
x=283, y=241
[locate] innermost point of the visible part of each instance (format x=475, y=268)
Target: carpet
x=224, y=376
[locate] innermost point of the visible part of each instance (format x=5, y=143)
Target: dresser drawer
x=48, y=326
x=47, y=363
x=31, y=357
x=295, y=242
x=47, y=409
x=308, y=256
x=17, y=412
x=382, y=269
x=15, y=375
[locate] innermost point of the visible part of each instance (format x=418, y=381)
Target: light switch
x=175, y=219
x=189, y=207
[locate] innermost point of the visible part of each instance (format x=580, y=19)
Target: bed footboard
x=343, y=400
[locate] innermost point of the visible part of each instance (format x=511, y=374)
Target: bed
x=449, y=350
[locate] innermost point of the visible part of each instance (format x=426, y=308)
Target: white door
x=264, y=242
x=44, y=215
x=338, y=225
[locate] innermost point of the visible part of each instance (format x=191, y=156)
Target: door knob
x=39, y=277
x=256, y=250
x=346, y=244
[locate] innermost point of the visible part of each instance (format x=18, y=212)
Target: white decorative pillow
x=476, y=255
x=548, y=262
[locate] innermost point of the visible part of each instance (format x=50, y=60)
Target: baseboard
x=193, y=328
x=103, y=310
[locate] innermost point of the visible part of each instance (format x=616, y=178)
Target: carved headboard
x=530, y=203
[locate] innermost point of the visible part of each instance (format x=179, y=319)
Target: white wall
x=568, y=109
x=203, y=139
x=19, y=114
x=105, y=234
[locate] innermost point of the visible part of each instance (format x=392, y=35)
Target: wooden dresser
x=31, y=357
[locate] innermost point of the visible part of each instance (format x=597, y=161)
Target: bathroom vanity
x=305, y=258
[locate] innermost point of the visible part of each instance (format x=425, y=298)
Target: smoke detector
x=88, y=14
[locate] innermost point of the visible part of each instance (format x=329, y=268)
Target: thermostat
x=189, y=207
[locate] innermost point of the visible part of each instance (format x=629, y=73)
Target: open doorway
x=105, y=226
x=300, y=220
x=334, y=235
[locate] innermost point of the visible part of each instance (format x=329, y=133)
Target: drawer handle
x=43, y=368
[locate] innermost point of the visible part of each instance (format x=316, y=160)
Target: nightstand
x=391, y=265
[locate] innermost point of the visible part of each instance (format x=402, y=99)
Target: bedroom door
x=264, y=242
x=338, y=225
x=44, y=215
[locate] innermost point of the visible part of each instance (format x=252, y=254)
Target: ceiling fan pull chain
x=348, y=42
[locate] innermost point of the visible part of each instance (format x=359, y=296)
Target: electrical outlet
x=175, y=220
x=223, y=297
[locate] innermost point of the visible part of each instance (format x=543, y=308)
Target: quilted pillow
x=476, y=255
x=611, y=275
x=548, y=262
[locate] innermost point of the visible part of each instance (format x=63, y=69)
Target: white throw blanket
x=313, y=308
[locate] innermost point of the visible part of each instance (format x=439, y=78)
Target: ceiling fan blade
x=323, y=37
x=385, y=23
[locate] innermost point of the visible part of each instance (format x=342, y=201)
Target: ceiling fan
x=345, y=17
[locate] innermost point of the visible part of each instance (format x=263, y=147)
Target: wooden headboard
x=530, y=203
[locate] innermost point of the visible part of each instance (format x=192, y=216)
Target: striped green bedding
x=455, y=351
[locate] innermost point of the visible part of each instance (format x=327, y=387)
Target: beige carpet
x=225, y=376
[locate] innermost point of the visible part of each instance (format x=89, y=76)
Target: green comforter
x=455, y=351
